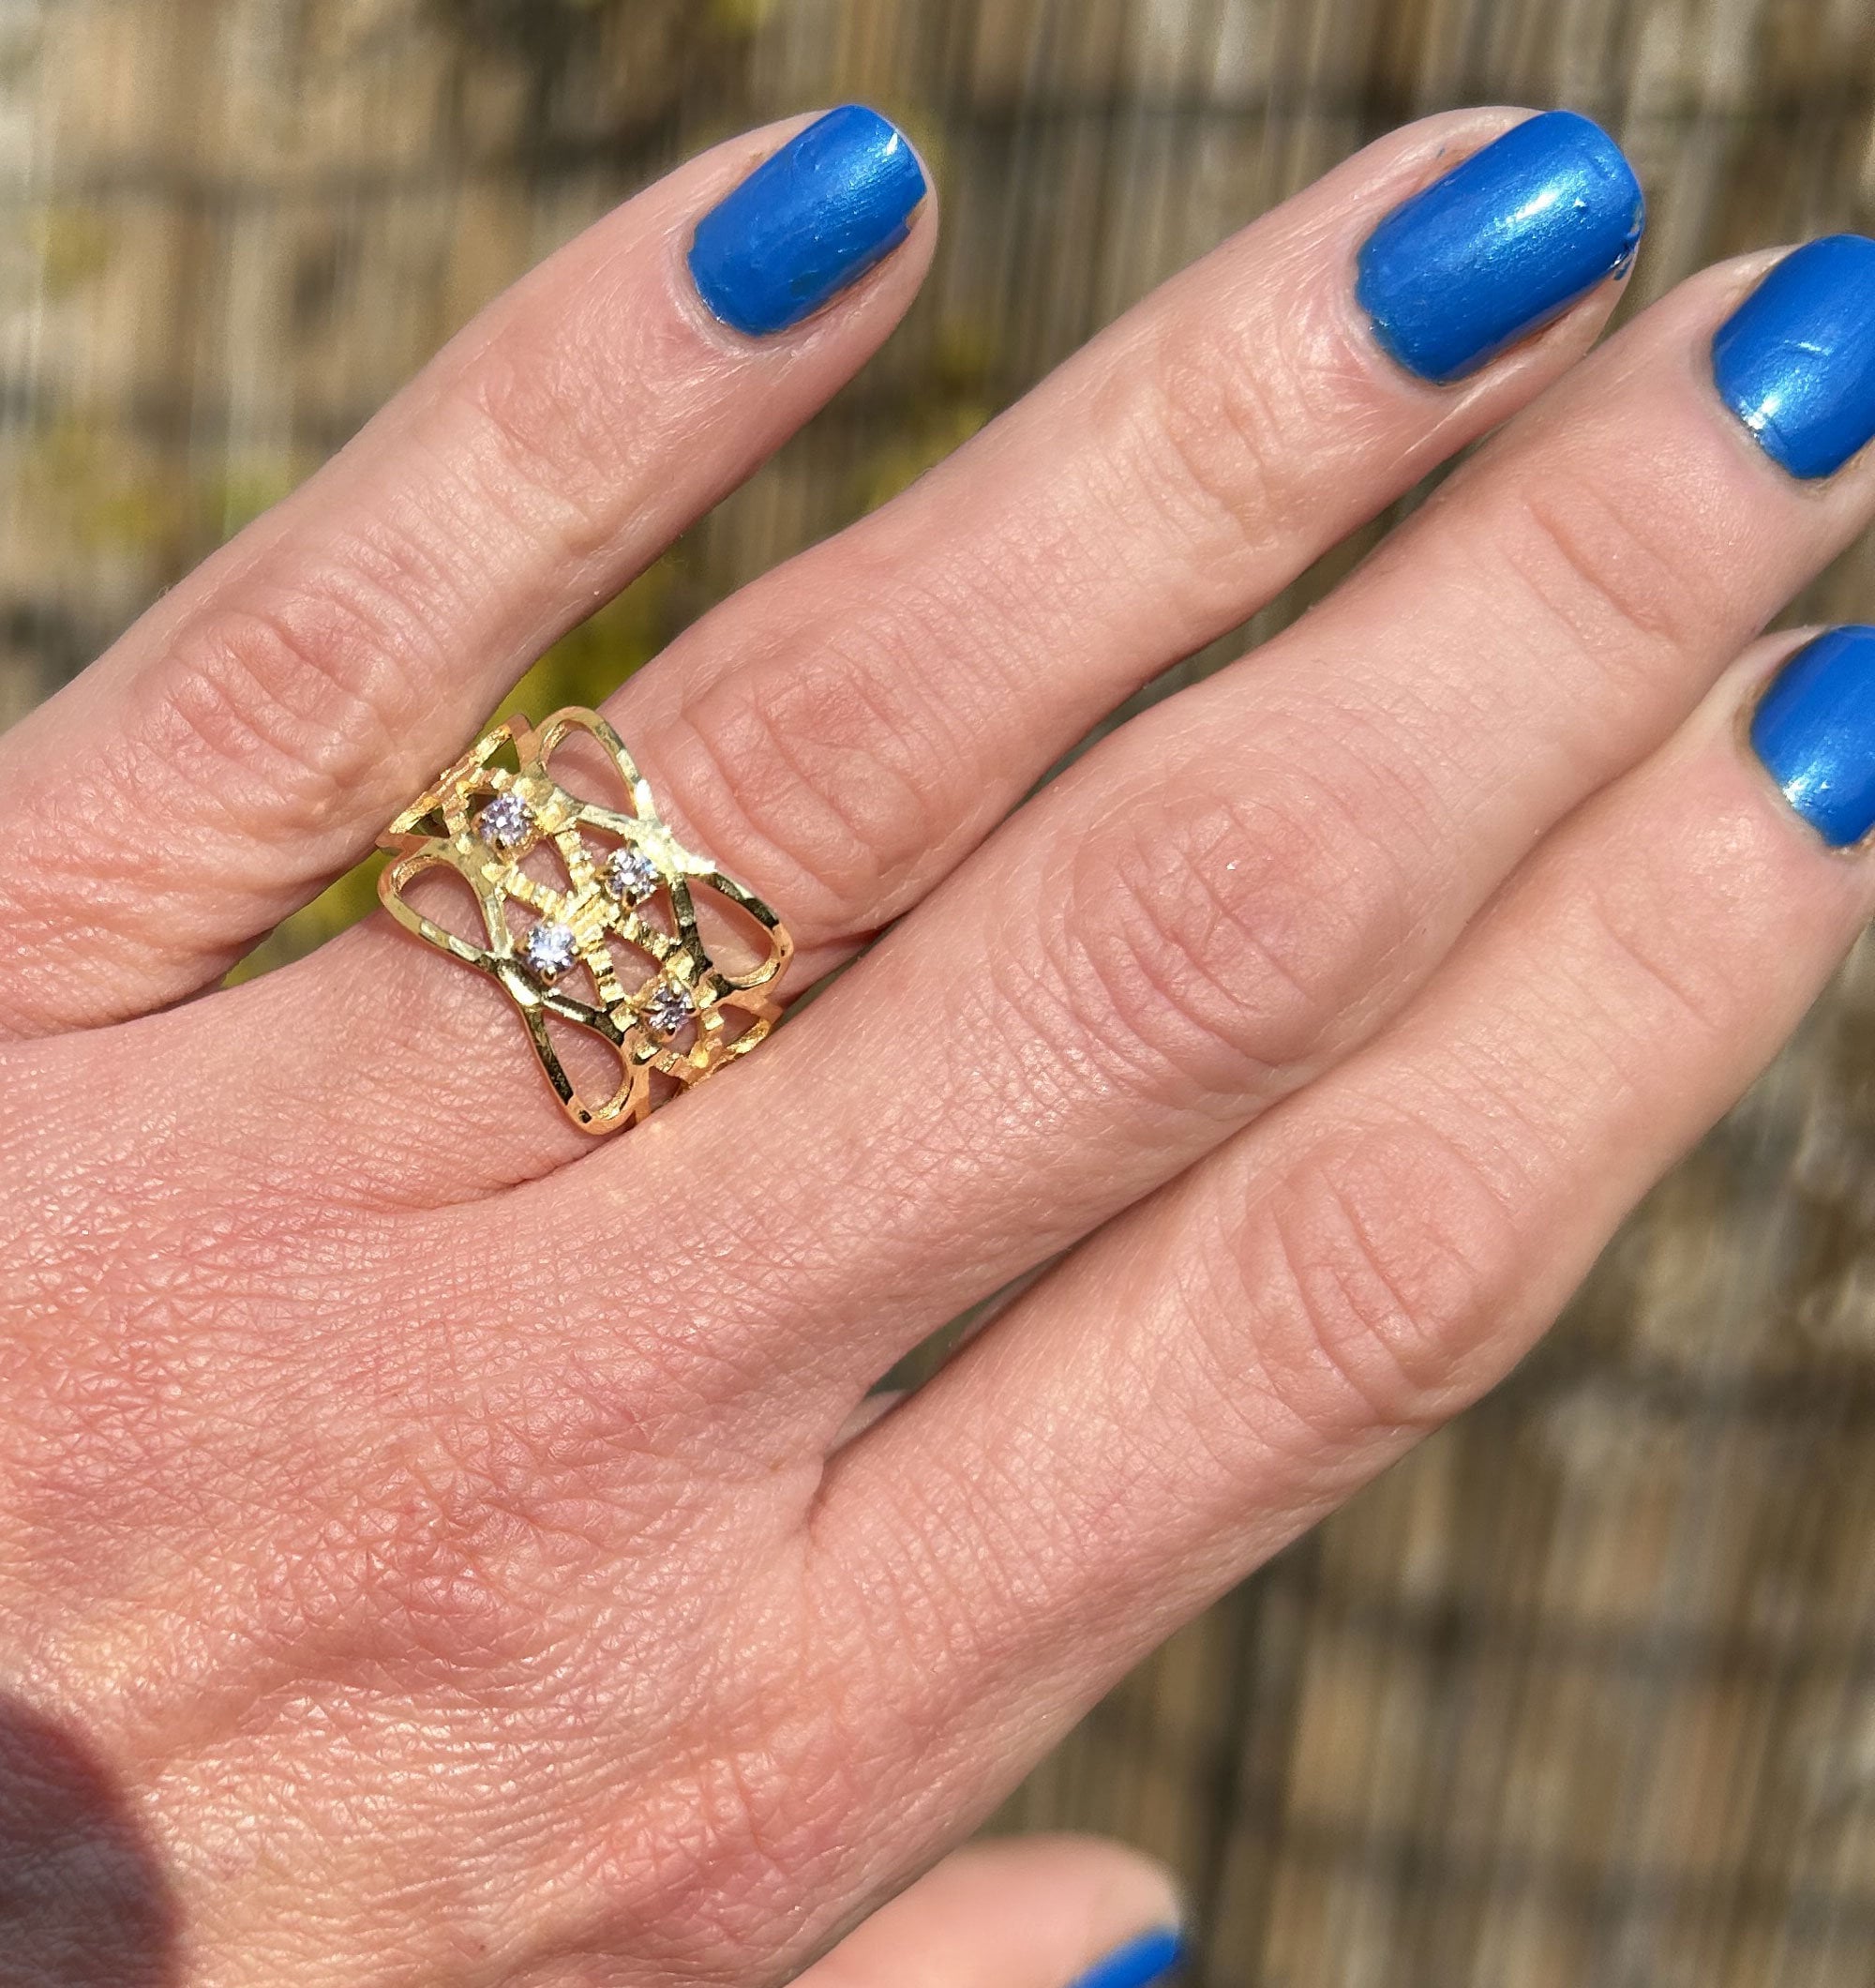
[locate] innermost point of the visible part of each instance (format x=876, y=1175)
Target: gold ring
x=621, y=891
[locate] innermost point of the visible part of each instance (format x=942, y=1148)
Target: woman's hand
x=436, y=1549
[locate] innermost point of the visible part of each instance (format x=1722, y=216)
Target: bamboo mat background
x=1584, y=1693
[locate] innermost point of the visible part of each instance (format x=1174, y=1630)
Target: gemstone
x=549, y=950
x=668, y=1008
x=631, y=875
x=506, y=822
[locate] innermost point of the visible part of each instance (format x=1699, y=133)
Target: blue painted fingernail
x=1815, y=732
x=1501, y=245
x=834, y=202
x=1795, y=362
x=1139, y=1964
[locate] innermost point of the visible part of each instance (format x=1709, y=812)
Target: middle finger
x=1234, y=890
x=841, y=734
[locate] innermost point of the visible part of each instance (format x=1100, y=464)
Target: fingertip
x=1127, y=1888
x=1500, y=245
x=1021, y=1912
x=816, y=217
x=1812, y=730
x=1143, y=1962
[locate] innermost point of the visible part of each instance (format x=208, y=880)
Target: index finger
x=248, y=738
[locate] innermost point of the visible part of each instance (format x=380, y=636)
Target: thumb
x=1026, y=1912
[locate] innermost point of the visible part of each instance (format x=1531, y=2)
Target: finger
x=251, y=735
x=1236, y=891
x=1230, y=1360
x=841, y=734
x=1031, y=1912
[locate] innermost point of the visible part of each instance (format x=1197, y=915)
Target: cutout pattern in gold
x=687, y=1018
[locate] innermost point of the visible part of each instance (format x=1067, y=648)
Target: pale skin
x=448, y=1534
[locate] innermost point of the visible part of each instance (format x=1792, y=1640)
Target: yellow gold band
x=621, y=891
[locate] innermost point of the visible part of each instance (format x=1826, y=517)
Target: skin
x=451, y=1544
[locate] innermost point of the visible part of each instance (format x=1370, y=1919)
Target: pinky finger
x=1030, y=1912
x=1223, y=1365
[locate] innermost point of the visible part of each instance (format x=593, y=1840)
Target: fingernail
x=1139, y=1964
x=1501, y=245
x=1795, y=362
x=1814, y=728
x=808, y=224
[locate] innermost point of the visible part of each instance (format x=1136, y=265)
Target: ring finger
x=1236, y=890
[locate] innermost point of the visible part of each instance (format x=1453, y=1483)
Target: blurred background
x=1584, y=1694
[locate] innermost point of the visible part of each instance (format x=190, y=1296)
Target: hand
x=436, y=1548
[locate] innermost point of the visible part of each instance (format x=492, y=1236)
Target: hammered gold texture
x=441, y=830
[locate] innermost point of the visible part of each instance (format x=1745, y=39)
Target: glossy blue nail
x=1501, y=245
x=1139, y=1964
x=1815, y=732
x=808, y=224
x=1795, y=362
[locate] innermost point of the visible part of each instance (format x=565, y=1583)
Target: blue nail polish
x=1501, y=245
x=809, y=222
x=1139, y=1964
x=1815, y=732
x=1795, y=362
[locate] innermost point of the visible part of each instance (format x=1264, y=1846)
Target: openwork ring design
x=623, y=895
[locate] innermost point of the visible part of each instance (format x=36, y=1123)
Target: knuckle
x=758, y=1803
x=1637, y=956
x=825, y=786
x=1371, y=1275
x=281, y=704
x=742, y=1839
x=1596, y=559
x=1209, y=435
x=1233, y=421
x=555, y=445
x=428, y=1563
x=1213, y=939
x=445, y=1557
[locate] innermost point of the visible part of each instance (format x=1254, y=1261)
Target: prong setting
x=629, y=877
x=506, y=824
x=550, y=949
